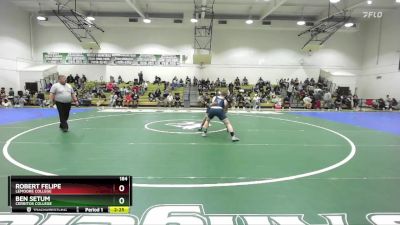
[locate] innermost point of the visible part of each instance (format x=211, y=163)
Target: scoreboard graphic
x=70, y=194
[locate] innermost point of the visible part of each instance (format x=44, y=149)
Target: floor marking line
x=210, y=185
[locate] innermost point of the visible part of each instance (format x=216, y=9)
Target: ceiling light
x=301, y=23
x=349, y=24
x=194, y=20
x=397, y=1
x=146, y=20
x=90, y=18
x=369, y=2
x=334, y=1
x=249, y=21
x=41, y=18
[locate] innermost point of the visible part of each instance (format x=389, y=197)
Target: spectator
x=100, y=94
x=169, y=100
x=312, y=82
x=140, y=75
x=231, y=99
x=120, y=81
x=307, y=102
x=70, y=79
x=188, y=81
x=135, y=89
x=157, y=80
x=277, y=102
x=230, y=87
x=76, y=79
x=256, y=102
x=200, y=100
x=356, y=102
x=166, y=93
x=218, y=82
x=223, y=82
x=20, y=102
x=84, y=79
x=157, y=94
x=379, y=104
x=141, y=89
x=3, y=93
x=338, y=103
x=109, y=87
x=145, y=86
x=135, y=99
x=120, y=100
x=86, y=99
x=395, y=104
x=113, y=99
x=151, y=96
x=317, y=103
x=239, y=101
x=388, y=102
x=27, y=93
x=48, y=87
x=166, y=84
x=177, y=100
x=237, y=81
x=5, y=103
x=195, y=81
x=40, y=99
x=128, y=100
x=11, y=95
x=245, y=81
x=290, y=89
x=247, y=101
x=327, y=104
x=347, y=101
x=260, y=81
x=174, y=84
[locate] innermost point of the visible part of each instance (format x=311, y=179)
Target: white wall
x=356, y=58
x=381, y=57
x=94, y=72
x=341, y=79
x=271, y=54
x=15, y=48
x=35, y=74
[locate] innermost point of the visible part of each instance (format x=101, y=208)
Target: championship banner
x=110, y=59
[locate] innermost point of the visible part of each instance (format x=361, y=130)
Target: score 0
x=122, y=187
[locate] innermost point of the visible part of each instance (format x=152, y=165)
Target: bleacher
x=189, y=96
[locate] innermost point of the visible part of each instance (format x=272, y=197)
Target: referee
x=62, y=94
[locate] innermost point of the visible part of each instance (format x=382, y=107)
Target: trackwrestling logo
x=187, y=215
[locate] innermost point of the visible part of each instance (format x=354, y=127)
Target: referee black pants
x=63, y=112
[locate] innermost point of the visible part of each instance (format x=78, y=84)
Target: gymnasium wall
x=355, y=58
x=269, y=53
x=15, y=47
x=381, y=57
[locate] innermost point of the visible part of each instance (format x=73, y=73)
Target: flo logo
x=372, y=15
x=192, y=215
x=186, y=125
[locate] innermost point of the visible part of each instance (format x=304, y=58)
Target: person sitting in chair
x=177, y=100
x=245, y=81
